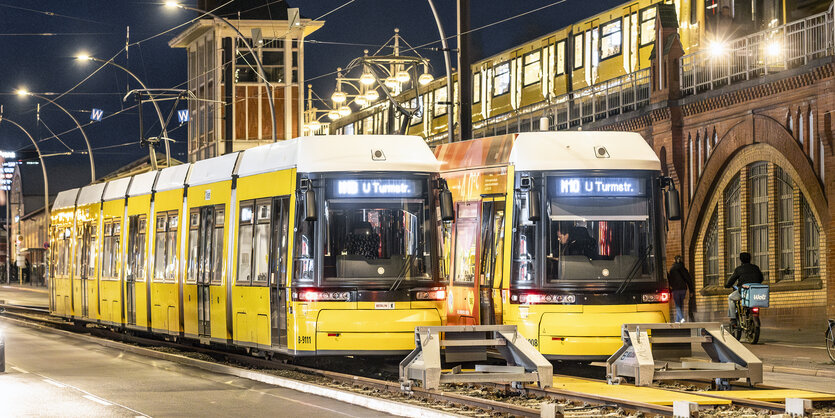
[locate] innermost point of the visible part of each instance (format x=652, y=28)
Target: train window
x=281, y=231
x=466, y=231
x=217, y=251
x=171, y=247
x=116, y=259
x=159, y=248
x=501, y=79
x=532, y=68
x=262, y=243
x=440, y=101
x=560, y=58
x=193, y=245
x=476, y=87
x=79, y=243
x=91, y=254
x=136, y=248
x=305, y=246
x=524, y=244
x=578, y=51
x=107, y=253
x=245, y=245
x=611, y=39
x=648, y=25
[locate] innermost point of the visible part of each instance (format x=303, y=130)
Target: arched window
x=733, y=225
x=785, y=225
x=790, y=123
x=821, y=156
x=708, y=147
x=715, y=137
x=812, y=138
x=711, y=252
x=758, y=221
x=699, y=153
x=800, y=128
x=811, y=242
x=692, y=166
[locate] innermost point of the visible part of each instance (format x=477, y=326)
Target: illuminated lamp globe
x=334, y=115
x=360, y=101
x=425, y=79
x=372, y=95
x=391, y=83
x=773, y=49
x=339, y=97
x=402, y=76
x=344, y=110
x=367, y=79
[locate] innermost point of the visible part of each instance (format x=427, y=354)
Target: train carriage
x=312, y=246
x=559, y=234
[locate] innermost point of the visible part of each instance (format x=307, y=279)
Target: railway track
x=512, y=401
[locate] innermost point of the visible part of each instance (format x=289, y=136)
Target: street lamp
x=23, y=93
x=261, y=72
x=84, y=57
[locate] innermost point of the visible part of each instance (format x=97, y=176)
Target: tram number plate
x=305, y=339
x=384, y=305
x=534, y=342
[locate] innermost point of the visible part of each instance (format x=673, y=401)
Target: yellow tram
x=558, y=233
x=324, y=245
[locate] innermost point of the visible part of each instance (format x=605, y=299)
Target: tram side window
x=440, y=101
x=92, y=252
x=533, y=68
x=501, y=79
x=304, y=251
x=79, y=243
x=116, y=247
x=217, y=251
x=477, y=87
x=524, y=244
x=281, y=230
x=466, y=228
x=245, y=244
x=193, y=245
x=107, y=252
x=171, y=247
x=159, y=248
x=611, y=40
x=262, y=242
x=648, y=25
x=560, y=58
x=139, y=248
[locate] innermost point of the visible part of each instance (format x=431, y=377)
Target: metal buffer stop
x=469, y=343
x=665, y=351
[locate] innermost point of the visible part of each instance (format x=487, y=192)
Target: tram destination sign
x=598, y=186
x=374, y=188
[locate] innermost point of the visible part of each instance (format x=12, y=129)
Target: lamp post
x=261, y=72
x=45, y=188
x=156, y=106
x=23, y=92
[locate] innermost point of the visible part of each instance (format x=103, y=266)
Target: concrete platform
x=50, y=375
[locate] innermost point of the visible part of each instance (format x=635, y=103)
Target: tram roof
x=90, y=194
x=172, y=178
x=331, y=153
x=142, y=183
x=116, y=189
x=212, y=170
x=65, y=199
x=552, y=151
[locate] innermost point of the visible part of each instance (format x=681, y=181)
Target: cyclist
x=745, y=273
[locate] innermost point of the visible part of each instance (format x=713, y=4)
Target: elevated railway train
x=312, y=246
x=558, y=233
x=598, y=49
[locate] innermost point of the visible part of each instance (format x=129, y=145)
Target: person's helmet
x=745, y=257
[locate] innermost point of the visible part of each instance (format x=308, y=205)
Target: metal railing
x=762, y=53
x=582, y=107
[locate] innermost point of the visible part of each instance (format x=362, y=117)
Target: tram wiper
x=403, y=270
x=634, y=270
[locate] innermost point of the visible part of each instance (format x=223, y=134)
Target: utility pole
x=465, y=76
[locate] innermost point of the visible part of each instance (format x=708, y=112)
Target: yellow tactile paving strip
x=774, y=395
x=633, y=393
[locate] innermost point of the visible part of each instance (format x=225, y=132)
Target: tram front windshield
x=597, y=230
x=377, y=230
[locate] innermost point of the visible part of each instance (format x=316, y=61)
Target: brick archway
x=756, y=138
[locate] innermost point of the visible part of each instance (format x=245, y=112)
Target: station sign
x=374, y=188
x=598, y=186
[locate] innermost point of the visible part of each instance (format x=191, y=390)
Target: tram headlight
x=536, y=298
x=660, y=297
x=435, y=293
x=316, y=295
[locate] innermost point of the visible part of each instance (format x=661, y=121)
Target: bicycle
x=830, y=339
x=752, y=298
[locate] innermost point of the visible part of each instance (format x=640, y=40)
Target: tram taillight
x=660, y=297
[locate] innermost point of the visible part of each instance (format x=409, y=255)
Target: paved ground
x=48, y=375
x=24, y=295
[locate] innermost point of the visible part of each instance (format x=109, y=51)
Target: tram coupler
x=665, y=351
x=524, y=363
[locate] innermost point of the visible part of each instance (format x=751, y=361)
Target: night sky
x=46, y=64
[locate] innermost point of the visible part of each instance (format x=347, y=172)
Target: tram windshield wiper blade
x=634, y=270
x=403, y=270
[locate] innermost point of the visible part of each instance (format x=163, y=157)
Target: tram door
x=83, y=266
x=464, y=308
x=278, y=276
x=204, y=270
x=134, y=267
x=491, y=260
